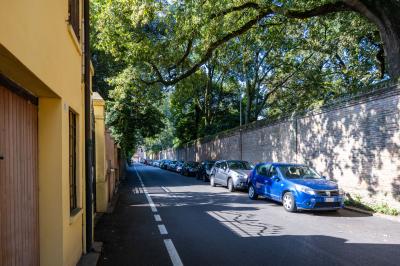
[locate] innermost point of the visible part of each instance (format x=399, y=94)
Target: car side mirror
x=324, y=177
x=276, y=179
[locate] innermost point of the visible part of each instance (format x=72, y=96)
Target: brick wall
x=355, y=141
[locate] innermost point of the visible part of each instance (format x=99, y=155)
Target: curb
x=91, y=258
x=380, y=215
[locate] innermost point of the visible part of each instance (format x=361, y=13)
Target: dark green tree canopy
x=271, y=57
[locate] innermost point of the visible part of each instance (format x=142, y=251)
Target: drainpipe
x=88, y=135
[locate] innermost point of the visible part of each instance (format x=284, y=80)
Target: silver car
x=230, y=173
x=179, y=166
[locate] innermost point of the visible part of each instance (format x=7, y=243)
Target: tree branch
x=209, y=52
x=262, y=13
x=248, y=5
x=280, y=84
x=325, y=9
x=185, y=55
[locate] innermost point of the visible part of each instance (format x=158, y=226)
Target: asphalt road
x=196, y=224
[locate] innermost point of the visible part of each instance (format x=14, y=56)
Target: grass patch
x=383, y=208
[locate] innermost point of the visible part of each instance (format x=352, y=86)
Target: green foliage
x=204, y=103
x=205, y=53
x=132, y=112
x=383, y=208
x=165, y=138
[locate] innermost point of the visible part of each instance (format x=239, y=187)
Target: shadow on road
x=223, y=229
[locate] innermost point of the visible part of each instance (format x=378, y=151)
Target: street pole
x=88, y=134
x=240, y=104
x=240, y=128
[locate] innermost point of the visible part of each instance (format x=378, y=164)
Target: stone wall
x=355, y=141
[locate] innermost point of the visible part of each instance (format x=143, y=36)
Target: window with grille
x=73, y=8
x=72, y=161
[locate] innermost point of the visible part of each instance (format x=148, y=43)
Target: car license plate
x=329, y=199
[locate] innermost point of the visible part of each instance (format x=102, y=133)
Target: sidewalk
x=130, y=235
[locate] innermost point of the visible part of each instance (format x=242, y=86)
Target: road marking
x=162, y=229
x=173, y=254
x=165, y=189
x=151, y=203
x=157, y=218
x=146, y=193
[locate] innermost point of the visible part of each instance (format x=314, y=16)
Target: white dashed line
x=173, y=254
x=162, y=229
x=157, y=218
x=151, y=203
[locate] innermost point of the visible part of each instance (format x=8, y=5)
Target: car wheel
x=212, y=182
x=252, y=193
x=231, y=187
x=288, y=202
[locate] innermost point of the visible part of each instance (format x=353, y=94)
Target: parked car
x=171, y=165
x=190, y=168
x=205, y=170
x=179, y=166
x=156, y=163
x=296, y=186
x=164, y=164
x=230, y=173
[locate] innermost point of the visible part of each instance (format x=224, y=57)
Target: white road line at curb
x=173, y=254
x=157, y=218
x=162, y=229
x=165, y=189
x=146, y=193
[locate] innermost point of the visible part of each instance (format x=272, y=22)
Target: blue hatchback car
x=296, y=186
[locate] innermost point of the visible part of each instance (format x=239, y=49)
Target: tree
x=287, y=56
x=165, y=139
x=205, y=103
x=132, y=112
x=253, y=13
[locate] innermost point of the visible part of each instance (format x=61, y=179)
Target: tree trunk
x=385, y=14
x=197, y=115
x=249, y=102
x=208, y=96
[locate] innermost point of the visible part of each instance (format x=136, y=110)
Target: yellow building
x=107, y=159
x=101, y=161
x=42, y=147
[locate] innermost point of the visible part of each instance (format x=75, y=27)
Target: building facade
x=42, y=147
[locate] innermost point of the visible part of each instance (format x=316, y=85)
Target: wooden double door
x=19, y=211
